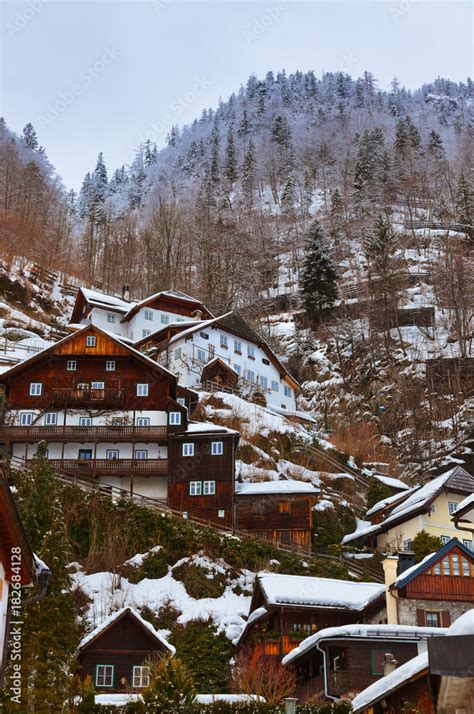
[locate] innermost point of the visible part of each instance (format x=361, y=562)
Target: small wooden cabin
x=113, y=654
x=276, y=510
x=219, y=374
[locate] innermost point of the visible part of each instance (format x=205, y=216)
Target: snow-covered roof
x=373, y=632
x=117, y=700
x=464, y=625
x=302, y=590
x=197, y=427
x=107, y=301
x=292, y=413
x=230, y=698
x=196, y=325
x=410, y=573
x=390, y=683
x=268, y=487
x=133, y=307
x=465, y=510
x=387, y=501
x=115, y=616
x=392, y=482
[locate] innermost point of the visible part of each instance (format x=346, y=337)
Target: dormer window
x=110, y=317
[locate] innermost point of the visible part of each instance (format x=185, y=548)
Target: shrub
x=206, y=654
x=423, y=544
x=170, y=687
x=155, y=565
x=376, y=491
x=332, y=524
x=197, y=583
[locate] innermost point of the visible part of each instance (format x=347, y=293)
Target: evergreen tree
x=465, y=206
x=215, y=164
x=318, y=275
x=230, y=170
x=376, y=491
x=248, y=176
x=336, y=216
x=30, y=137
x=423, y=544
x=171, y=687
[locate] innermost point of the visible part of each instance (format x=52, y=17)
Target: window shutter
x=420, y=618
x=445, y=618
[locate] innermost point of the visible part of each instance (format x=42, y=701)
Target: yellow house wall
x=437, y=523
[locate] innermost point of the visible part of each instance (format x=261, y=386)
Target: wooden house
x=285, y=609
x=434, y=592
x=115, y=653
x=340, y=662
x=426, y=507
x=17, y=566
x=276, y=510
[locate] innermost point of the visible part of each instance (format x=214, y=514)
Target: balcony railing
x=84, y=433
x=66, y=395
x=341, y=681
x=122, y=467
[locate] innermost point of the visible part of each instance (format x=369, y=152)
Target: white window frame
x=181, y=401
x=36, y=389
x=195, y=488
x=112, y=451
x=407, y=544
x=468, y=543
x=140, y=676
x=217, y=448
x=106, y=671
x=201, y=355
x=142, y=389
x=110, y=365
x=221, y=513
x=177, y=353
x=71, y=365
x=187, y=449
x=98, y=385
x=142, y=421
x=209, y=488
x=86, y=419
x=263, y=382
x=149, y=315
x=452, y=507
x=287, y=391
x=91, y=341
x=224, y=342
x=111, y=318
x=275, y=386
x=238, y=347
x=51, y=415
x=143, y=452
x=27, y=417
x=165, y=319
x=238, y=369
x=444, y=539
x=251, y=351
x=251, y=376
x=145, y=332
x=174, y=418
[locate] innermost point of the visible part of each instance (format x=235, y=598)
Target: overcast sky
x=104, y=76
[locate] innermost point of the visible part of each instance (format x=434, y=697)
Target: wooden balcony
x=112, y=467
x=83, y=433
x=342, y=681
x=62, y=396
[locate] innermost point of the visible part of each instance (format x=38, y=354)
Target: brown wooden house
x=276, y=510
x=114, y=654
x=434, y=592
x=285, y=609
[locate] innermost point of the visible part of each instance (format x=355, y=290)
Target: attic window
x=204, y=335
x=91, y=341
x=265, y=360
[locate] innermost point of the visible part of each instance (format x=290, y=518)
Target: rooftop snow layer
x=391, y=482
x=267, y=487
x=109, y=620
x=318, y=592
x=390, y=683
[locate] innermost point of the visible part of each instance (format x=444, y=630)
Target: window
x=432, y=619
x=250, y=375
x=110, y=317
x=110, y=366
x=209, y=488
x=452, y=506
x=195, y=488
x=85, y=421
x=407, y=544
x=175, y=418
x=35, y=389
x=238, y=347
x=112, y=454
x=378, y=657
x=51, y=419
x=432, y=508
x=237, y=369
x=224, y=342
x=455, y=564
x=204, y=335
x=148, y=315
x=91, y=341
x=263, y=381
x=143, y=421
x=85, y=454
x=141, y=677
x=26, y=419
x=217, y=448
x=145, y=333
x=265, y=361
x=142, y=390
x=104, y=675
x=251, y=351
x=221, y=513
x=212, y=351
x=180, y=319
x=141, y=454
x=287, y=391
x=182, y=401
x=177, y=353
x=275, y=386
x=468, y=544
x=188, y=450
x=437, y=569
x=465, y=562
x=284, y=506
x=201, y=355
x=71, y=365
x=97, y=385
x=444, y=539
x=164, y=319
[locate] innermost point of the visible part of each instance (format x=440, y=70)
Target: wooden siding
x=413, y=696
x=440, y=587
x=204, y=507
x=203, y=465
x=281, y=517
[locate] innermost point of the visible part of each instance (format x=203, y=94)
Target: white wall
x=161, y=318
x=3, y=609
x=152, y=486
x=71, y=450
x=98, y=316
x=189, y=369
x=157, y=418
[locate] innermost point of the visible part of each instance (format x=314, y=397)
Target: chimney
x=126, y=293
x=389, y=663
x=390, y=565
x=197, y=315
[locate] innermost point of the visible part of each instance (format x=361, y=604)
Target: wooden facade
x=120, y=646
x=178, y=304
x=282, y=517
x=220, y=374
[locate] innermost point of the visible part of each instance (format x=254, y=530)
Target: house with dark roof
x=285, y=609
x=226, y=353
x=427, y=507
x=434, y=592
x=115, y=653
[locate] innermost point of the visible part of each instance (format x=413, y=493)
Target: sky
x=106, y=75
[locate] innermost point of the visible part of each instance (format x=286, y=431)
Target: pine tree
x=248, y=176
x=464, y=206
x=336, y=217
x=171, y=687
x=318, y=275
x=230, y=170
x=30, y=137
